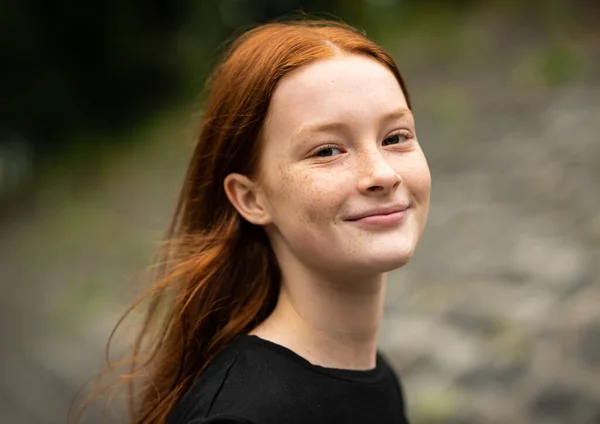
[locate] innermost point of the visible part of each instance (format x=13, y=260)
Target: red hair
x=218, y=276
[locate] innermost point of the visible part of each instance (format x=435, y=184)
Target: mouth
x=376, y=212
x=381, y=217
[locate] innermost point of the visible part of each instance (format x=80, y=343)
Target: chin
x=392, y=263
x=382, y=262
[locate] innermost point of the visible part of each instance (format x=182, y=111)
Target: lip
x=381, y=212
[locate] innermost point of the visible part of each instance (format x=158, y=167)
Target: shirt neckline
x=362, y=376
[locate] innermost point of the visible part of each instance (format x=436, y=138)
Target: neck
x=333, y=324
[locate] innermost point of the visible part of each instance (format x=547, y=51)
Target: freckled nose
x=376, y=174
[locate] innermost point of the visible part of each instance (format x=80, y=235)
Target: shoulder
x=196, y=404
x=389, y=370
x=243, y=380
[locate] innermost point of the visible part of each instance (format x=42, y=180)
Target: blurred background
x=496, y=320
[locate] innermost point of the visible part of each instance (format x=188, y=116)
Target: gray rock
x=493, y=376
x=562, y=404
x=588, y=346
x=481, y=325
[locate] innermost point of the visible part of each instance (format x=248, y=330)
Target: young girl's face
x=344, y=180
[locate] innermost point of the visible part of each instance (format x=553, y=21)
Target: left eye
x=328, y=151
x=395, y=139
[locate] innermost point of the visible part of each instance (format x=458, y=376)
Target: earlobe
x=245, y=197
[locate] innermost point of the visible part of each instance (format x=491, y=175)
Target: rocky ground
x=496, y=320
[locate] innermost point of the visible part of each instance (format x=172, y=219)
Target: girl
x=307, y=185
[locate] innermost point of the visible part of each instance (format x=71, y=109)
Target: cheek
x=417, y=177
x=418, y=181
x=309, y=196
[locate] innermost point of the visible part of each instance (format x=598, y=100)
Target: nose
x=376, y=174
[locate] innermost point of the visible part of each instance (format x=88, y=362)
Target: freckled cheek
x=309, y=198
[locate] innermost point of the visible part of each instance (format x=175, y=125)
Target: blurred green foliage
x=73, y=67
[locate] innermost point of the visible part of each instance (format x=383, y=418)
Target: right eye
x=328, y=151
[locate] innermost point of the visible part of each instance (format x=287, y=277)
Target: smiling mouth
x=382, y=211
x=383, y=218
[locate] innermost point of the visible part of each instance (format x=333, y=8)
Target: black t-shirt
x=254, y=381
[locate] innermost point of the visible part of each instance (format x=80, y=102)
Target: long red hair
x=218, y=276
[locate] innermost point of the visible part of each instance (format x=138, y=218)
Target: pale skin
x=339, y=141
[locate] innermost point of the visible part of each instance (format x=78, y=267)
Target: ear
x=246, y=198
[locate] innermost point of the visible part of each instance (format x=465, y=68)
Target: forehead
x=345, y=87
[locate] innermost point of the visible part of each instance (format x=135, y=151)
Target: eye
x=328, y=151
x=396, y=138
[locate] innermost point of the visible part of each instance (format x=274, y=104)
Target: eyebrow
x=396, y=114
x=337, y=126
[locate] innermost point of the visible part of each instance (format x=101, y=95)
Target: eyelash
x=405, y=134
x=325, y=147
